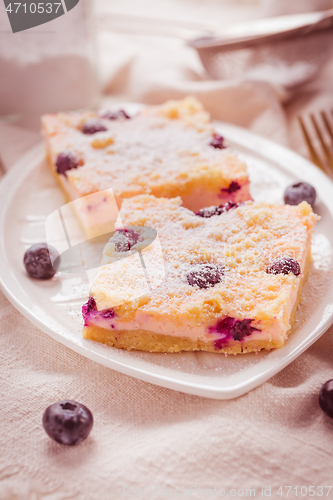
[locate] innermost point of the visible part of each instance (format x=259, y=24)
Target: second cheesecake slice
x=168, y=150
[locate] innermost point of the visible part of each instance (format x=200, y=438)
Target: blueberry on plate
x=37, y=261
x=301, y=191
x=326, y=398
x=68, y=422
x=285, y=265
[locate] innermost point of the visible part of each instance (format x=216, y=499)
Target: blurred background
x=104, y=52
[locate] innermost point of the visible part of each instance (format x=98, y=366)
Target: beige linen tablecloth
x=146, y=437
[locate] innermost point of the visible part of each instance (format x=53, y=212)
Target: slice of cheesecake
x=229, y=281
x=168, y=150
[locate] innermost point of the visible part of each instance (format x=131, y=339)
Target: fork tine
x=314, y=157
x=327, y=124
x=328, y=156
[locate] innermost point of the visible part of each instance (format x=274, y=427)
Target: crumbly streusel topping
x=160, y=148
x=244, y=240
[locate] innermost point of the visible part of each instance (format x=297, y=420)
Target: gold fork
x=319, y=132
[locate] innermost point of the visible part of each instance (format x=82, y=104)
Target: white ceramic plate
x=29, y=193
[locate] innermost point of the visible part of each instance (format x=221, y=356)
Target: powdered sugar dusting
x=164, y=150
x=242, y=241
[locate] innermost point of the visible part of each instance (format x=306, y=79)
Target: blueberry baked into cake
x=233, y=277
x=167, y=151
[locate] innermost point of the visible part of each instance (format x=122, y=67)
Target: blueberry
x=124, y=239
x=234, y=186
x=66, y=160
x=68, y=422
x=232, y=329
x=301, y=191
x=326, y=398
x=205, y=275
x=37, y=261
x=116, y=115
x=242, y=328
x=92, y=126
x=217, y=142
x=89, y=310
x=108, y=313
x=210, y=211
x=89, y=306
x=285, y=265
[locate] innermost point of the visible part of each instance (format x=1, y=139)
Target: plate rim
x=11, y=181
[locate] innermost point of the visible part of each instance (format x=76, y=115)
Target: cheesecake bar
x=167, y=151
x=232, y=278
